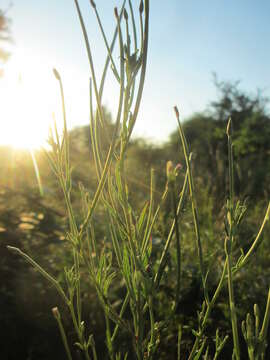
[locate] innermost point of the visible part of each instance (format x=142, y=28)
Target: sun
x=28, y=99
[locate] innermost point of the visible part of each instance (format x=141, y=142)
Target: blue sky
x=189, y=40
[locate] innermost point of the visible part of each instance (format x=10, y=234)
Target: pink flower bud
x=176, y=111
x=178, y=168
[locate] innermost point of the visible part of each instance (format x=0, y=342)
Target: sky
x=189, y=41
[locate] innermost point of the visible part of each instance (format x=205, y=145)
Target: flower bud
x=256, y=310
x=178, y=168
x=229, y=127
x=176, y=111
x=56, y=74
x=56, y=313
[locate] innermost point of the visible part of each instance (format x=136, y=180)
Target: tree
x=206, y=134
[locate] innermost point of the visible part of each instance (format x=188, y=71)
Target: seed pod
x=141, y=8
x=125, y=14
x=93, y=3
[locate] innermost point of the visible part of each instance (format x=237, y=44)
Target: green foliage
x=251, y=128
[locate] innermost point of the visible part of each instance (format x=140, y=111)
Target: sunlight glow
x=28, y=97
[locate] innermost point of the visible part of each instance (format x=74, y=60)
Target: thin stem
x=148, y=222
x=179, y=337
x=107, y=45
x=78, y=331
x=193, y=201
x=163, y=197
x=163, y=257
x=256, y=241
x=232, y=303
x=94, y=143
x=113, y=142
x=143, y=70
x=41, y=271
x=152, y=322
x=208, y=310
x=90, y=58
x=228, y=245
x=178, y=247
x=78, y=285
x=266, y=320
x=133, y=25
x=102, y=82
x=123, y=308
x=62, y=331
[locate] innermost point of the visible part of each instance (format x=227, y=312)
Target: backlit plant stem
x=143, y=69
x=41, y=271
x=112, y=145
x=163, y=257
x=266, y=320
x=57, y=316
x=193, y=202
x=228, y=245
x=178, y=246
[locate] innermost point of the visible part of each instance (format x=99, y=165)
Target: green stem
x=112, y=145
x=229, y=242
x=163, y=197
x=123, y=308
x=163, y=257
x=208, y=311
x=179, y=337
x=152, y=323
x=62, y=332
x=178, y=247
x=78, y=331
x=231, y=300
x=256, y=241
x=148, y=222
x=107, y=46
x=193, y=202
x=41, y=271
x=90, y=58
x=266, y=320
x=143, y=70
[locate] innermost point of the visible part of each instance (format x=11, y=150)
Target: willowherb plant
x=128, y=257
